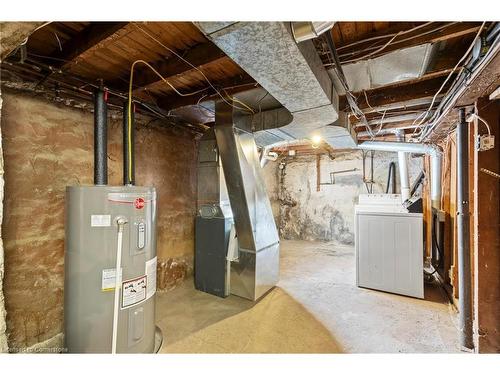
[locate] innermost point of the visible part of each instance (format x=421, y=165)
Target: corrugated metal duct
x=292, y=73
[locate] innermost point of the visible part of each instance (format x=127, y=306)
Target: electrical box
x=485, y=142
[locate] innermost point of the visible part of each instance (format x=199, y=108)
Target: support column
x=463, y=231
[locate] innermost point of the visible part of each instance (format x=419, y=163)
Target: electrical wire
x=194, y=67
x=357, y=112
x=58, y=41
x=483, y=121
x=397, y=42
x=422, y=132
x=129, y=106
x=379, y=37
x=34, y=31
x=129, y=114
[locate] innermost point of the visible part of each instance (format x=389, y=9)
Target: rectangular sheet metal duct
x=289, y=71
x=397, y=66
x=257, y=268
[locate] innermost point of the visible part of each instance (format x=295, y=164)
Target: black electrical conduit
x=391, y=177
x=417, y=183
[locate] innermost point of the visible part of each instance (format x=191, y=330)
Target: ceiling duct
x=397, y=66
x=291, y=73
x=303, y=31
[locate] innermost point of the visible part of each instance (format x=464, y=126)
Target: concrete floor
x=316, y=308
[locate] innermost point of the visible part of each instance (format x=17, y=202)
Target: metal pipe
x=432, y=150
x=128, y=146
x=303, y=31
x=463, y=231
x=100, y=138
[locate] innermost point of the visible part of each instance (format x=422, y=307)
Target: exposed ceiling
x=68, y=58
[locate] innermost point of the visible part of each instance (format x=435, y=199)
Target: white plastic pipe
x=404, y=178
x=121, y=221
x=420, y=148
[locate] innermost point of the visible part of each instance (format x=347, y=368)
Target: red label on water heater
x=139, y=203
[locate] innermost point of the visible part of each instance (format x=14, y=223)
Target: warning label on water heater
x=108, y=279
x=151, y=274
x=100, y=220
x=133, y=291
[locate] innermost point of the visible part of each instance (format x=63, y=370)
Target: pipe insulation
x=463, y=234
x=420, y=148
x=100, y=138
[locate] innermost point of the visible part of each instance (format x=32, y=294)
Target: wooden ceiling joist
x=88, y=38
x=197, y=56
x=424, y=35
x=481, y=86
x=422, y=87
x=228, y=86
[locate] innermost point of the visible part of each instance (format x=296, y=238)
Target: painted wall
x=48, y=146
x=328, y=215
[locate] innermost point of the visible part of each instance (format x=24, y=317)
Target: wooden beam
x=360, y=39
x=483, y=84
x=198, y=56
x=425, y=86
x=85, y=40
x=487, y=234
x=13, y=34
x=457, y=30
x=231, y=86
x=495, y=94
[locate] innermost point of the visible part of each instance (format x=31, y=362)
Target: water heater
x=110, y=259
x=92, y=214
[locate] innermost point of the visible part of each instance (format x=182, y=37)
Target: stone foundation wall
x=302, y=213
x=47, y=146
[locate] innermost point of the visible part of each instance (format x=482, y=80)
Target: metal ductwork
x=303, y=31
x=256, y=269
x=291, y=73
x=397, y=66
x=232, y=199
